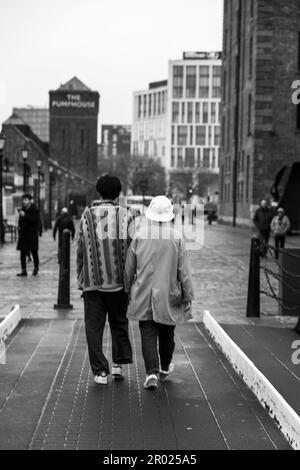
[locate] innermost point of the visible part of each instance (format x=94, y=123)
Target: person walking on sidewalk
x=101, y=254
x=280, y=226
x=158, y=278
x=262, y=220
x=29, y=228
x=63, y=221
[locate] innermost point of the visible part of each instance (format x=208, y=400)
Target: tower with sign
x=73, y=128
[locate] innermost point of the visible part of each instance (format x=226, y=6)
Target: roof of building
x=22, y=127
x=159, y=84
x=15, y=120
x=74, y=85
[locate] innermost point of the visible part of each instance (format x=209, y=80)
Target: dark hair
x=109, y=187
x=27, y=196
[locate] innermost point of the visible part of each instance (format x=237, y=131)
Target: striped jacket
x=102, y=244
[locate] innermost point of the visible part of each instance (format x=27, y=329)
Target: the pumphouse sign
x=73, y=101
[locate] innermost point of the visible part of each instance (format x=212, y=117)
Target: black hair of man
x=27, y=196
x=109, y=187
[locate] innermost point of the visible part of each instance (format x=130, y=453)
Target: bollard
x=63, y=298
x=253, y=299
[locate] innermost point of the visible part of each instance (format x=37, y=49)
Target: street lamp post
x=50, y=195
x=39, y=165
x=58, y=190
x=2, y=142
x=25, y=157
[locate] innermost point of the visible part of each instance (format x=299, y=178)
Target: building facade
x=115, y=140
x=73, y=128
x=260, y=124
x=193, y=124
x=149, y=121
x=37, y=119
x=182, y=115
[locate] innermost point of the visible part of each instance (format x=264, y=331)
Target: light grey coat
x=157, y=275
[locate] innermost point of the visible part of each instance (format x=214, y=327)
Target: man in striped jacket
x=101, y=254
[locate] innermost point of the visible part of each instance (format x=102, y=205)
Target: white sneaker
x=101, y=379
x=163, y=374
x=151, y=382
x=116, y=372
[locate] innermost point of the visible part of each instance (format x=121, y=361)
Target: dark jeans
x=35, y=257
x=96, y=307
x=279, y=243
x=264, y=237
x=151, y=334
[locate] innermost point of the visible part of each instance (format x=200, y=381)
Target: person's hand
x=22, y=213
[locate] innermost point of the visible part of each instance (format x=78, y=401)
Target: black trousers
x=157, y=345
x=279, y=243
x=264, y=237
x=35, y=256
x=97, y=305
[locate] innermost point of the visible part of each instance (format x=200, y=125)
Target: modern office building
x=260, y=123
x=37, y=119
x=149, y=121
x=185, y=126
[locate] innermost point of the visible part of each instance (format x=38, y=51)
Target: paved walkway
x=48, y=399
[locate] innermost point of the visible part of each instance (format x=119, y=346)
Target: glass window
x=177, y=81
x=154, y=104
x=206, y=153
x=197, y=113
x=213, y=113
x=191, y=72
x=204, y=81
x=172, y=157
x=199, y=157
x=175, y=111
x=145, y=105
x=159, y=103
x=216, y=82
x=190, y=157
x=200, y=135
x=173, y=135
x=182, y=112
x=217, y=135
x=191, y=135
x=150, y=105
x=205, y=113
x=139, y=106
x=190, y=112
x=182, y=135
x=180, y=157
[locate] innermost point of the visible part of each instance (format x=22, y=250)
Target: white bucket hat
x=160, y=210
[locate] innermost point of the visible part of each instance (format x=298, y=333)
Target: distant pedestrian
x=101, y=254
x=262, y=220
x=63, y=221
x=158, y=278
x=29, y=229
x=280, y=226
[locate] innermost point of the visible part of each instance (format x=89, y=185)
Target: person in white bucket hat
x=158, y=279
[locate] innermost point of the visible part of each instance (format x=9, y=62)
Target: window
x=204, y=81
x=175, y=111
x=217, y=134
x=177, y=81
x=190, y=157
x=216, y=82
x=182, y=135
x=191, y=72
x=199, y=158
x=149, y=105
x=200, y=135
x=251, y=8
x=247, y=178
x=197, y=114
x=213, y=113
x=159, y=103
x=146, y=148
x=145, y=106
x=206, y=153
x=190, y=112
x=180, y=157
x=172, y=157
x=205, y=113
x=139, y=106
x=154, y=104
x=82, y=138
x=182, y=112
x=173, y=135
x=191, y=135
x=63, y=139
x=213, y=158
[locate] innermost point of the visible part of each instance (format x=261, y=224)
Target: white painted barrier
x=285, y=417
x=10, y=322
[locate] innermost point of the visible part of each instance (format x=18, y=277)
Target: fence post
x=63, y=297
x=253, y=299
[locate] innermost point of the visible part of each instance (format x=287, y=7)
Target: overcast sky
x=113, y=46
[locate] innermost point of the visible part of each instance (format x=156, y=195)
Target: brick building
x=73, y=129
x=260, y=124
